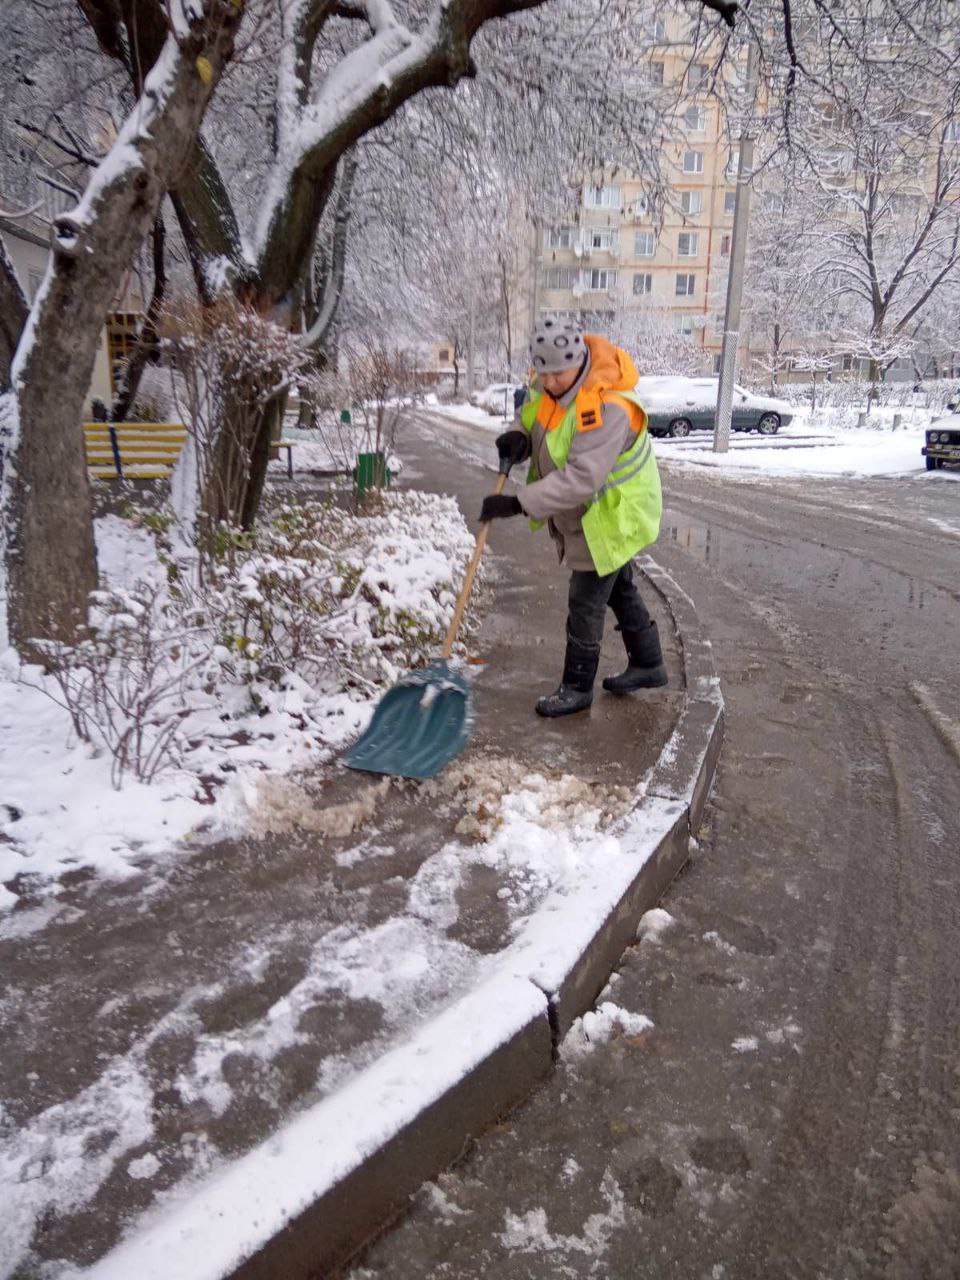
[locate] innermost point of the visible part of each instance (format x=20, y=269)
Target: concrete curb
x=316, y=1195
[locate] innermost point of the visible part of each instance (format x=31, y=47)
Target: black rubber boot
x=645, y=658
x=575, y=691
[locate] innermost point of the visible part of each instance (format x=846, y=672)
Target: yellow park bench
x=142, y=450
x=133, y=450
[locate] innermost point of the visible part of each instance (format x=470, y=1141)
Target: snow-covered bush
x=230, y=368
x=320, y=603
x=124, y=686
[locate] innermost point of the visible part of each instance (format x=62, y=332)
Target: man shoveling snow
x=593, y=480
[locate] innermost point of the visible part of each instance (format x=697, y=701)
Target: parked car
x=943, y=441
x=676, y=406
x=497, y=399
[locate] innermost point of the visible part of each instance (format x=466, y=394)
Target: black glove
x=496, y=506
x=514, y=447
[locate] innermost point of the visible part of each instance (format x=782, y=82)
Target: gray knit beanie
x=557, y=345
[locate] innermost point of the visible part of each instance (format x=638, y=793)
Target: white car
x=676, y=406
x=497, y=399
x=943, y=442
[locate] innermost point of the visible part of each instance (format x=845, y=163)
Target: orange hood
x=611, y=369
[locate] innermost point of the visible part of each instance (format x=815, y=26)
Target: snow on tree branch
x=45, y=498
x=362, y=90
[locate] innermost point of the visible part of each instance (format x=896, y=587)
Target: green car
x=676, y=406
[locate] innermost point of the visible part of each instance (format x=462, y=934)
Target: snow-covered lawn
x=266, y=669
x=325, y=450
x=471, y=414
x=825, y=443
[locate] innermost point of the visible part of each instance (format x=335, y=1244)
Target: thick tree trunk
x=873, y=394
x=269, y=429
x=322, y=325
x=49, y=535
x=307, y=415
x=147, y=341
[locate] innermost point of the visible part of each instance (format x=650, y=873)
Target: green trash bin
x=371, y=472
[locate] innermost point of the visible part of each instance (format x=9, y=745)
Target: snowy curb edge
x=306, y=1201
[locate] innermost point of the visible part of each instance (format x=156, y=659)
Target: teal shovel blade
x=418, y=727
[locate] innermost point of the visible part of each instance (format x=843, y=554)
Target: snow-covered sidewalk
x=224, y=987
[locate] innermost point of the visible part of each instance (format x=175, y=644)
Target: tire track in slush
x=882, y=1034
x=880, y=1043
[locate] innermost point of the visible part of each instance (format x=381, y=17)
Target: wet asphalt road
x=795, y=1111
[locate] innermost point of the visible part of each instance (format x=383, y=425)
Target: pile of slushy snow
x=193, y=687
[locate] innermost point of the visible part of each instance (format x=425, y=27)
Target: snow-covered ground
x=827, y=442
x=471, y=414
x=565, y=861
x=823, y=443
x=372, y=594
x=325, y=451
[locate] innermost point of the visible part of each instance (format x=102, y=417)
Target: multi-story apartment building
x=620, y=253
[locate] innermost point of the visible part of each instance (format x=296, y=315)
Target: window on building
x=642, y=283
x=443, y=355
x=599, y=280
x=729, y=203
x=952, y=131
x=716, y=364
x=644, y=244
x=725, y=241
x=690, y=202
x=560, y=277
x=837, y=161
x=659, y=30
x=733, y=162
x=686, y=284
x=656, y=72
x=698, y=75
x=603, y=238
x=602, y=197
x=642, y=207
x=688, y=244
x=560, y=238
x=683, y=324
x=846, y=364
x=695, y=118
x=693, y=162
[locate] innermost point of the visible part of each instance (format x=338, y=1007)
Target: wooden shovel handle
x=467, y=587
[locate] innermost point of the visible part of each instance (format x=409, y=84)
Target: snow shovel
x=423, y=722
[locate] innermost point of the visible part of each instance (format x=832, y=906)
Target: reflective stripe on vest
x=636, y=460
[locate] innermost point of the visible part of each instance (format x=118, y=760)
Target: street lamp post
x=738, y=255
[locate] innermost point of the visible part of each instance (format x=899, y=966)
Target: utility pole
x=738, y=257
x=534, y=276
x=471, y=338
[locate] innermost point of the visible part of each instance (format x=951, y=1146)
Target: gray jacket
x=560, y=495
